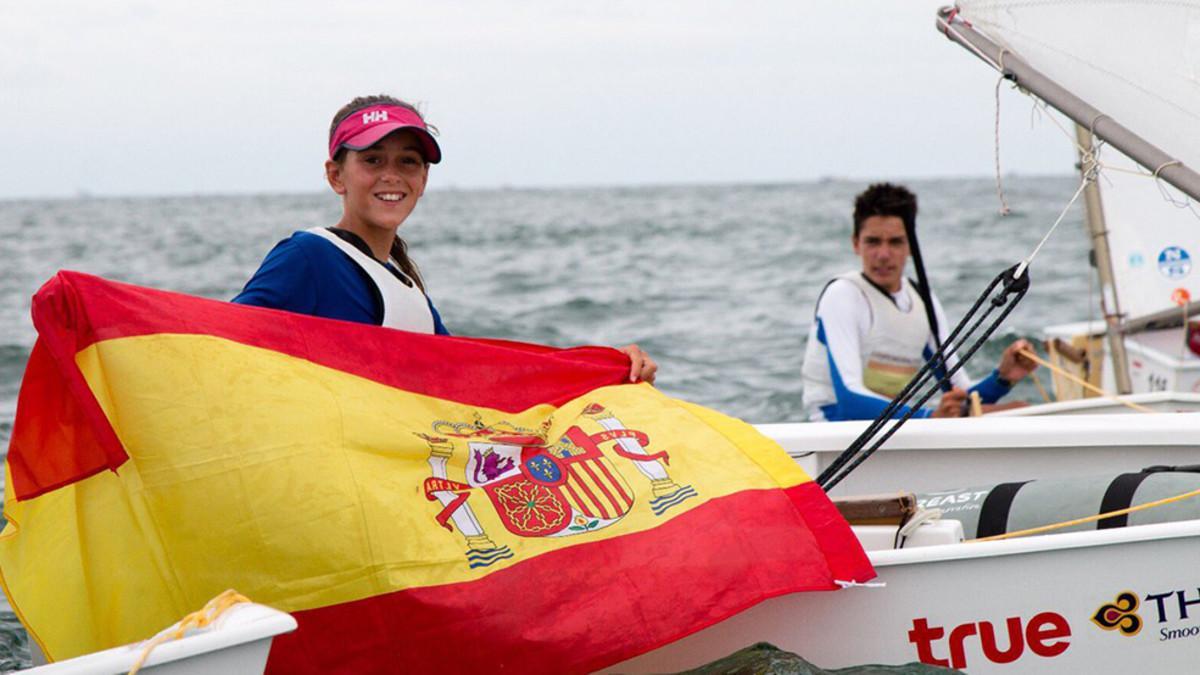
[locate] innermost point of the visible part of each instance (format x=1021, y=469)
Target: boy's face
x=882, y=243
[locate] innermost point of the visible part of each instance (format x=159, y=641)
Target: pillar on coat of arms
x=661, y=483
x=440, y=451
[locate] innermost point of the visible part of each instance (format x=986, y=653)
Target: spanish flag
x=418, y=503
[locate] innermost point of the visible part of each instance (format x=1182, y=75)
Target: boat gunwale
x=1037, y=544
x=1166, y=429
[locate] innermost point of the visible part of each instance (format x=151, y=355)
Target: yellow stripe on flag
x=325, y=470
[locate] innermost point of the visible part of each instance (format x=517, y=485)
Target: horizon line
x=85, y=195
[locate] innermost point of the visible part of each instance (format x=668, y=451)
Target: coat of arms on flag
x=540, y=488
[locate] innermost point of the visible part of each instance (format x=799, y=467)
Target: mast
x=1103, y=259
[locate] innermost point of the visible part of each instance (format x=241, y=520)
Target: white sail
x=1155, y=243
x=1138, y=62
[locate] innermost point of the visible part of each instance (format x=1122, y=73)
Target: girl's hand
x=642, y=368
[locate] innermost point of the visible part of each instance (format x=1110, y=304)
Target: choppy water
x=717, y=282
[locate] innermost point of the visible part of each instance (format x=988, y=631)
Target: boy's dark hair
x=885, y=199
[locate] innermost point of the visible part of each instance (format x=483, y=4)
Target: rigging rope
x=1082, y=382
x=1087, y=178
x=1004, y=210
x=1037, y=382
x=948, y=26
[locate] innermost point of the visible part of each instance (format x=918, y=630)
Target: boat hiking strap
x=1010, y=286
x=993, y=514
x=1032, y=356
x=1119, y=495
x=197, y=619
x=1089, y=519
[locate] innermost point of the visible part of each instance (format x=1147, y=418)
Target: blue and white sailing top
x=866, y=344
x=329, y=274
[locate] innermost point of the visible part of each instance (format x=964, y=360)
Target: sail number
x=1156, y=382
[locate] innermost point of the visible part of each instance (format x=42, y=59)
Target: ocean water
x=716, y=282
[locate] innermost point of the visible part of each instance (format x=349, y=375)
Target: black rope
x=924, y=289
x=854, y=455
x=933, y=365
x=1010, y=294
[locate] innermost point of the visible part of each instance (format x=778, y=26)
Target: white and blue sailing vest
x=891, y=353
x=404, y=307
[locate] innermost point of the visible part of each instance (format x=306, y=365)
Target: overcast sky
x=139, y=98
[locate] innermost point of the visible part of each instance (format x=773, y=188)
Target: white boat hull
x=932, y=455
x=942, y=603
x=237, y=643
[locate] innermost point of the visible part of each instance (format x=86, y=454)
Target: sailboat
x=1087, y=597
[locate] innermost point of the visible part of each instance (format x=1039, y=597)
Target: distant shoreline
x=84, y=196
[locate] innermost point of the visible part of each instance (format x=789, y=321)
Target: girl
x=380, y=149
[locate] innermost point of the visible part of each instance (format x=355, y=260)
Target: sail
x=1154, y=241
x=1138, y=63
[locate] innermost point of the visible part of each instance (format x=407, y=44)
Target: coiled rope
x=198, y=619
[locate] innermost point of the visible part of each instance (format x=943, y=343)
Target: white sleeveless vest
x=891, y=352
x=404, y=307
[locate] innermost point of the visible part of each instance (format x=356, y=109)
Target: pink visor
x=366, y=127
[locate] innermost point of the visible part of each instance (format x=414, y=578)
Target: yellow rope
x=1037, y=382
x=197, y=619
x=1082, y=382
x=1079, y=521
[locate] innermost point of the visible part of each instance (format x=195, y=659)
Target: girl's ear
x=333, y=174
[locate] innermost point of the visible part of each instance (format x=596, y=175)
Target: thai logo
x=541, y=488
x=1120, y=614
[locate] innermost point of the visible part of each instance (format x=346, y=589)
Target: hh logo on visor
x=375, y=116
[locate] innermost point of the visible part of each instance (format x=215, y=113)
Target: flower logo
x=1120, y=614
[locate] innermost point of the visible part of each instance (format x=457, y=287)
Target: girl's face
x=380, y=186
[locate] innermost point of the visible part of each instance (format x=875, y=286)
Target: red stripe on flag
x=589, y=606
x=843, y=551
x=60, y=434
x=73, y=311
x=598, y=500
x=586, y=465
x=626, y=498
x=588, y=507
x=84, y=309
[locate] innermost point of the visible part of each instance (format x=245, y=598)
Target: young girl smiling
x=380, y=149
